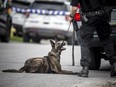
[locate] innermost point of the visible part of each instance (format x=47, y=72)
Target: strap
x=74, y=34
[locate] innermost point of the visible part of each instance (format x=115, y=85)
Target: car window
x=49, y=6
x=20, y=4
x=25, y=0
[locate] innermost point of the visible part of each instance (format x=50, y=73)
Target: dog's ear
x=52, y=43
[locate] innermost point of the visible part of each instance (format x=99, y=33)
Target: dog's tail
x=14, y=70
x=10, y=70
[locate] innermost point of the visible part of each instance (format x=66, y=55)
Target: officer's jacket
x=88, y=5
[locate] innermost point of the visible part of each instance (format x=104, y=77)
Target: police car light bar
x=37, y=11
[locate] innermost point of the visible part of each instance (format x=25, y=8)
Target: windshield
x=25, y=0
x=49, y=6
x=20, y=4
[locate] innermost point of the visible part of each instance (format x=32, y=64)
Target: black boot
x=113, y=70
x=84, y=72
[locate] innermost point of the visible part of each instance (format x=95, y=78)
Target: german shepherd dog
x=46, y=64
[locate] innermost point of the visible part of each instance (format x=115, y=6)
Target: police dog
x=46, y=64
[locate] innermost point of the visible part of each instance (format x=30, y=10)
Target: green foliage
x=16, y=38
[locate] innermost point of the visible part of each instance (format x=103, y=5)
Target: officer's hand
x=68, y=18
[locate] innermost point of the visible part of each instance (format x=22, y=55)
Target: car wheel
x=69, y=41
x=6, y=37
x=26, y=38
x=36, y=40
x=95, y=59
x=8, y=24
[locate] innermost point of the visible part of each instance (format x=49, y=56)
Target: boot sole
x=113, y=74
x=82, y=75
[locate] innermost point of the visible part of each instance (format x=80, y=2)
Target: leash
x=73, y=40
x=66, y=32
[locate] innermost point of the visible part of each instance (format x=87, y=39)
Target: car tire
x=9, y=23
x=36, y=40
x=6, y=21
x=26, y=38
x=69, y=41
x=95, y=59
x=6, y=38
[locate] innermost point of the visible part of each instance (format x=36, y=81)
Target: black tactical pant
x=85, y=35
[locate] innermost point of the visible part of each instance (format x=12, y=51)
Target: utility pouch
x=107, y=11
x=84, y=18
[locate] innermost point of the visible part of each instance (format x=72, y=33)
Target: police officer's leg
x=85, y=36
x=104, y=31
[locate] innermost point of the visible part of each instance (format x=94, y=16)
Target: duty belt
x=94, y=13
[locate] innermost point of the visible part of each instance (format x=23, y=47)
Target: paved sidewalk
x=13, y=55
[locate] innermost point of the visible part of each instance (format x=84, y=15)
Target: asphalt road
x=13, y=55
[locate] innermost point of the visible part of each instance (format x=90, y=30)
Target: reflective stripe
x=18, y=10
x=37, y=11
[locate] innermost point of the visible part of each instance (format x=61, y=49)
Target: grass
x=15, y=38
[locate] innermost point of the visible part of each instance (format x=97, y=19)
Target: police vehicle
x=5, y=21
x=18, y=14
x=46, y=20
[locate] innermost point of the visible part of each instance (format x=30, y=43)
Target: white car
x=47, y=21
x=18, y=15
